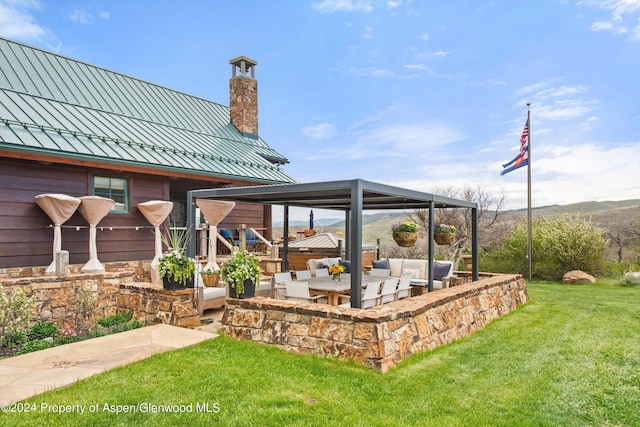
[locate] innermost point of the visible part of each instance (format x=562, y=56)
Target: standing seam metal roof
x=59, y=106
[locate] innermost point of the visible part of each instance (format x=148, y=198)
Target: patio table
x=335, y=288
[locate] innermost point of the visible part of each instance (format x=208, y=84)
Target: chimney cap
x=237, y=61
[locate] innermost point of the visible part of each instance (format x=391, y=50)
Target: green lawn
x=570, y=357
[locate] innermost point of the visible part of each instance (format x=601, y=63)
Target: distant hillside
x=378, y=225
x=577, y=208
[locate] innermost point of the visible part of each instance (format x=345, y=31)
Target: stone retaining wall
x=382, y=336
x=125, y=286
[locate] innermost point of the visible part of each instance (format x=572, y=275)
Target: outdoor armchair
x=389, y=291
x=299, y=291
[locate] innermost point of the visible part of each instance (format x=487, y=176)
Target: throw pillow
x=415, y=274
x=346, y=265
x=440, y=270
x=381, y=263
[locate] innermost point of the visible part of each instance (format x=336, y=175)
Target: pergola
x=350, y=196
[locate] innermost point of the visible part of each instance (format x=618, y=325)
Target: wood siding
x=26, y=238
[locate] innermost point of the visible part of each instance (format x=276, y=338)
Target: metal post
x=431, y=248
x=285, y=242
x=474, y=244
x=356, y=243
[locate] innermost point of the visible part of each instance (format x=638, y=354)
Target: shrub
x=85, y=300
x=43, y=330
x=134, y=324
x=34, y=345
x=122, y=317
x=560, y=244
x=630, y=281
x=16, y=311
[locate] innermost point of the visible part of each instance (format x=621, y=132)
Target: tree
x=491, y=226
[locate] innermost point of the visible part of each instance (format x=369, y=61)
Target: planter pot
x=249, y=290
x=444, y=238
x=172, y=285
x=210, y=280
x=405, y=238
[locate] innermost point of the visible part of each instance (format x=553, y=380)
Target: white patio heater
x=59, y=207
x=156, y=211
x=93, y=209
x=214, y=211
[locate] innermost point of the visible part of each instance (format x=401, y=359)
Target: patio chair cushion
x=346, y=265
x=416, y=264
x=395, y=265
x=381, y=263
x=415, y=274
x=440, y=270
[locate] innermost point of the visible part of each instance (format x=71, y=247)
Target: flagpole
x=529, y=251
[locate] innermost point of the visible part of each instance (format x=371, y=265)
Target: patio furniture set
x=379, y=286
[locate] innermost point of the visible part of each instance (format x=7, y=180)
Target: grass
x=570, y=357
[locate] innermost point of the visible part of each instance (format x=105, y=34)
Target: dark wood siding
x=26, y=238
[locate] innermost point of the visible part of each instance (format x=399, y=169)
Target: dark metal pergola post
x=285, y=241
x=431, y=248
x=474, y=244
x=355, y=244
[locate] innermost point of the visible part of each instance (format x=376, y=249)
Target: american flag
x=521, y=159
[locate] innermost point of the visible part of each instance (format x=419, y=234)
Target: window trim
x=126, y=191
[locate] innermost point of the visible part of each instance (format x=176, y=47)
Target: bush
x=630, y=281
x=16, y=311
x=115, y=319
x=560, y=244
x=43, y=330
x=134, y=324
x=34, y=345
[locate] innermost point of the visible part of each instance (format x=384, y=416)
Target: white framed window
x=113, y=188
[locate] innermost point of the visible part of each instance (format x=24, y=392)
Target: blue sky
x=419, y=94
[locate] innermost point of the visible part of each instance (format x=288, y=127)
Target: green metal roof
x=58, y=106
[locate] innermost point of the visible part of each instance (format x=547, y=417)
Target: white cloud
x=329, y=6
x=319, y=131
x=563, y=102
x=424, y=37
x=620, y=12
x=80, y=16
x=17, y=21
x=104, y=15
x=608, y=26
x=560, y=175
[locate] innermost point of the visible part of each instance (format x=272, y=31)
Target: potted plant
x=242, y=274
x=444, y=234
x=405, y=234
x=175, y=268
x=210, y=277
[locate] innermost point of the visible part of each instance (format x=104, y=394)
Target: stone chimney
x=243, y=94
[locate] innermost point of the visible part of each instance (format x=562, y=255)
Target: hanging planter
x=405, y=234
x=405, y=238
x=444, y=234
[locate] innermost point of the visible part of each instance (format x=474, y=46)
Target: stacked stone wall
x=378, y=337
x=125, y=286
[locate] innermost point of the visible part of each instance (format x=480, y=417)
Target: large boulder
x=578, y=277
